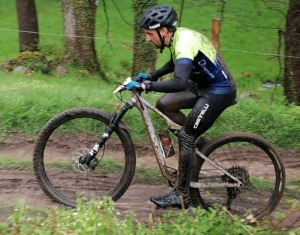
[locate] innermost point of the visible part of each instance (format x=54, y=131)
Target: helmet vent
x=158, y=17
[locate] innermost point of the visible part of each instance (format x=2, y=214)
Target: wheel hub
x=76, y=160
x=241, y=174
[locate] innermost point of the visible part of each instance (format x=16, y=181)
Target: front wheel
x=68, y=136
x=252, y=160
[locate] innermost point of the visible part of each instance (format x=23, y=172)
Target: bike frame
x=144, y=106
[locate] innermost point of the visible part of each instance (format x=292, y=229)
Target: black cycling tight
x=206, y=108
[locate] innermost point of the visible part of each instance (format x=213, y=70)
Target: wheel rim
x=265, y=186
x=62, y=180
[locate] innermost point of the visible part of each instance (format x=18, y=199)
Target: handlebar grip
x=137, y=79
x=137, y=89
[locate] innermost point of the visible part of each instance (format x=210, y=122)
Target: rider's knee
x=160, y=106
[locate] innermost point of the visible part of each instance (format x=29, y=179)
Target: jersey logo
x=199, y=118
x=202, y=63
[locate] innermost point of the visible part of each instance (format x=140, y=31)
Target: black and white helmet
x=159, y=16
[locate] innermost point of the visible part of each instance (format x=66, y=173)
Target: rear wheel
x=64, y=139
x=251, y=159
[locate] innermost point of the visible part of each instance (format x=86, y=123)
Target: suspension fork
x=113, y=122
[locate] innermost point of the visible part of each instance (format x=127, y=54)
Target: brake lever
x=123, y=85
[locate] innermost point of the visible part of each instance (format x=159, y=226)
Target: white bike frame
x=143, y=106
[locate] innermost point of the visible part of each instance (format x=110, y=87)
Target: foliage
x=102, y=218
x=35, y=61
x=146, y=175
x=252, y=31
x=81, y=21
x=144, y=54
x=292, y=48
x=27, y=103
x=276, y=122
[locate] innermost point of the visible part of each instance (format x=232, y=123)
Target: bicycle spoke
x=253, y=162
x=60, y=172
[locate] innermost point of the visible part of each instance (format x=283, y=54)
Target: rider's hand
x=141, y=77
x=133, y=84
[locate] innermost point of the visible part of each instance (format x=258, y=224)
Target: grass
x=260, y=183
x=249, y=31
x=100, y=217
x=292, y=189
x=26, y=103
x=9, y=163
x=146, y=175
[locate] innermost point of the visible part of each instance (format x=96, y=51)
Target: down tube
x=153, y=138
x=143, y=106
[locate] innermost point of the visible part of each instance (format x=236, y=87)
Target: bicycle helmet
x=157, y=17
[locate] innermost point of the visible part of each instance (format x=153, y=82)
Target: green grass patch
x=246, y=27
x=108, y=166
x=100, y=217
x=147, y=175
x=292, y=189
x=256, y=183
x=11, y=163
x=27, y=103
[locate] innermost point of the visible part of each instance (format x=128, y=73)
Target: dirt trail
x=19, y=183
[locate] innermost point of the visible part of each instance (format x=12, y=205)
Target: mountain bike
x=87, y=152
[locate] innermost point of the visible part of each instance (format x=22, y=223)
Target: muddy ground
x=16, y=184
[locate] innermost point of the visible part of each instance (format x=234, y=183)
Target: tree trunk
x=79, y=29
x=144, y=54
x=292, y=53
x=28, y=25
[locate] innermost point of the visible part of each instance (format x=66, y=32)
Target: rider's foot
x=171, y=200
x=201, y=141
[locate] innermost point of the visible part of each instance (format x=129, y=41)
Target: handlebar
x=123, y=86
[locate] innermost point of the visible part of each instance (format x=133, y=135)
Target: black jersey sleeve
x=179, y=82
x=165, y=69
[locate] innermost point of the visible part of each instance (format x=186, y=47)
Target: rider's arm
x=182, y=72
x=167, y=68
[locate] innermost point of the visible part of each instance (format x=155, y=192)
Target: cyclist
x=201, y=82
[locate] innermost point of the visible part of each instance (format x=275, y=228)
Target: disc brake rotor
x=75, y=160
